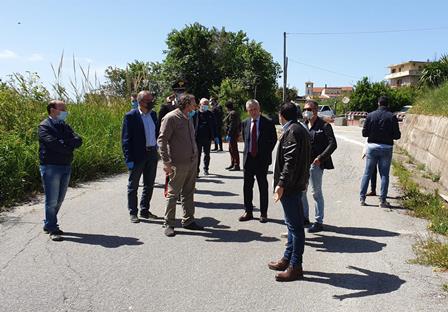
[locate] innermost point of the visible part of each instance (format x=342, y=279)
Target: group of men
x=303, y=153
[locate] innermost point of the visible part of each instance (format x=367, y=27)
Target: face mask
x=62, y=116
x=191, y=114
x=134, y=104
x=307, y=115
x=205, y=108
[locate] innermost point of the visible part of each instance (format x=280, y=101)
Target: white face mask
x=307, y=115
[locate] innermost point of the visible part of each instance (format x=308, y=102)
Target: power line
x=324, y=69
x=368, y=32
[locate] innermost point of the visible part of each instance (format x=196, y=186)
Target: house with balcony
x=405, y=74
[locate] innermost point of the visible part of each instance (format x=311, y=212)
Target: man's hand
x=168, y=168
x=316, y=162
x=130, y=165
x=278, y=193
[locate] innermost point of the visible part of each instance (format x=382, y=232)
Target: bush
x=432, y=102
x=97, y=122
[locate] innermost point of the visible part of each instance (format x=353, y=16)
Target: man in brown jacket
x=179, y=154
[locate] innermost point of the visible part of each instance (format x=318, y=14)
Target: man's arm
x=272, y=136
x=126, y=140
x=366, y=128
x=52, y=142
x=166, y=131
x=289, y=149
x=332, y=145
x=75, y=140
x=395, y=128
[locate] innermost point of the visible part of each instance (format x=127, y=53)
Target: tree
x=435, y=73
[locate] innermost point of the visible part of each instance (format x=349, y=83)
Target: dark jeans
x=55, y=180
x=204, y=144
x=373, y=180
x=292, y=207
x=219, y=131
x=233, y=150
x=253, y=168
x=147, y=167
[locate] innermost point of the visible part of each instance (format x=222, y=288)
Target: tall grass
x=433, y=102
x=97, y=122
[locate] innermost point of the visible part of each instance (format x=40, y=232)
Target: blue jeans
x=55, y=179
x=381, y=157
x=292, y=207
x=147, y=167
x=316, y=173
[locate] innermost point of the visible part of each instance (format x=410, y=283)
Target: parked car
x=402, y=113
x=326, y=113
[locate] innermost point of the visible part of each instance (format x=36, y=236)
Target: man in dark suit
x=205, y=128
x=139, y=143
x=57, y=141
x=260, y=138
x=291, y=175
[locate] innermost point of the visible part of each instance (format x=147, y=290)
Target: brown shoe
x=291, y=274
x=372, y=193
x=279, y=265
x=246, y=216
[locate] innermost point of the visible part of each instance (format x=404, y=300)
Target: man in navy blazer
x=139, y=143
x=260, y=138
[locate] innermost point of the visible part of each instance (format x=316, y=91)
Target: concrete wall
x=426, y=139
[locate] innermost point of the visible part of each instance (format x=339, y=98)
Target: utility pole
x=285, y=67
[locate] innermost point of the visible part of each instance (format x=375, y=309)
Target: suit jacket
x=266, y=140
x=211, y=124
x=323, y=143
x=233, y=122
x=133, y=139
x=293, y=158
x=57, y=142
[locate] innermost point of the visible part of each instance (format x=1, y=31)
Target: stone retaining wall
x=426, y=139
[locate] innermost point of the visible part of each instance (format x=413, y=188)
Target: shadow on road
x=107, y=241
x=226, y=236
x=215, y=205
x=368, y=284
x=215, y=193
x=343, y=244
x=230, y=177
x=358, y=231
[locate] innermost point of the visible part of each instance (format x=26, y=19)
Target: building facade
x=405, y=74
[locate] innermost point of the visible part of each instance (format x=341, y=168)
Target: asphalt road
x=359, y=263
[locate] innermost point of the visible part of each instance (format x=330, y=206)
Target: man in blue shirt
x=139, y=135
x=381, y=129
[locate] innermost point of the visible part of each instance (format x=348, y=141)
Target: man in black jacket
x=233, y=122
x=323, y=144
x=205, y=127
x=57, y=141
x=381, y=128
x=291, y=175
x=260, y=138
x=219, y=116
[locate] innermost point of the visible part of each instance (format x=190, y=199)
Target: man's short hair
x=289, y=111
x=142, y=94
x=203, y=101
x=252, y=102
x=312, y=102
x=229, y=105
x=185, y=99
x=52, y=104
x=383, y=101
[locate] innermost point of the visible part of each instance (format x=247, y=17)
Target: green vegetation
x=435, y=73
x=432, y=102
x=432, y=251
x=98, y=122
x=365, y=96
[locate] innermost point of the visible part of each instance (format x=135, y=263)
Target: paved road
x=360, y=263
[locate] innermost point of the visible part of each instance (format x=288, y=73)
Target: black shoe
x=236, y=168
x=206, y=172
x=193, y=226
x=134, y=218
x=56, y=237
x=169, y=231
x=221, y=150
x=229, y=167
x=146, y=214
x=306, y=222
x=58, y=232
x=215, y=149
x=316, y=227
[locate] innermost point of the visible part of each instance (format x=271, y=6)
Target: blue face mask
x=205, y=108
x=191, y=114
x=62, y=116
x=134, y=104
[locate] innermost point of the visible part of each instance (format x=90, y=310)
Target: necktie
x=253, y=150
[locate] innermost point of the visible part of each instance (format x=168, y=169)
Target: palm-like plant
x=435, y=73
